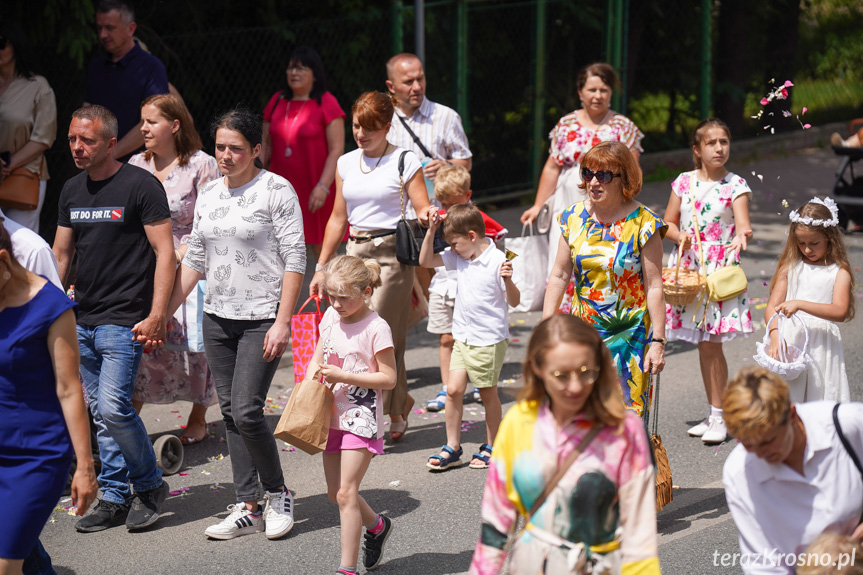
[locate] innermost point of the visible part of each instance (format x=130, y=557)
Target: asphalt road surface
x=437, y=516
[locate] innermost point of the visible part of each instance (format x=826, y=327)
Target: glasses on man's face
x=298, y=68
x=602, y=176
x=585, y=375
x=2, y=43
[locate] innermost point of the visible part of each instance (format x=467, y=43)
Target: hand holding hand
x=435, y=219
x=150, y=333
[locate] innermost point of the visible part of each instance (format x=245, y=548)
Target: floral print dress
x=712, y=202
x=570, y=140
x=168, y=375
x=605, y=501
x=609, y=289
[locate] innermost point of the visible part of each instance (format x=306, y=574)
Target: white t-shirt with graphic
x=352, y=347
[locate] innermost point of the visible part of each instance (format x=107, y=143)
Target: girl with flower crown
x=814, y=280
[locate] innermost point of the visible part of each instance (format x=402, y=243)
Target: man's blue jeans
x=109, y=364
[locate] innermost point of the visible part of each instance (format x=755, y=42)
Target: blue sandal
x=451, y=460
x=484, y=455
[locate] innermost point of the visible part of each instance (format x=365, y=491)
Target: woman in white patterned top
x=247, y=241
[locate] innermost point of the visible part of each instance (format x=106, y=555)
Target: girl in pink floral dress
x=720, y=200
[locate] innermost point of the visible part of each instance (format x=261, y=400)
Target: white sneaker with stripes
x=279, y=513
x=239, y=522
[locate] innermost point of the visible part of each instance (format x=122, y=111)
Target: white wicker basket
x=792, y=360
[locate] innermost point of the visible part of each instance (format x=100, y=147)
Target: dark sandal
x=451, y=460
x=484, y=456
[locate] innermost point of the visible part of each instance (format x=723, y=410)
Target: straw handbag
x=664, y=489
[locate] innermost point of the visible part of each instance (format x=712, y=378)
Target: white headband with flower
x=828, y=203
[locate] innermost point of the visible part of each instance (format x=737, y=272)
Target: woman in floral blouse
x=175, y=157
x=602, y=512
x=575, y=134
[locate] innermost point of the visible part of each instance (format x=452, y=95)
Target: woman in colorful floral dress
x=570, y=395
x=175, y=157
x=613, y=246
x=574, y=135
x=720, y=201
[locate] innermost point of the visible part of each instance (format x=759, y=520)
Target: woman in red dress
x=304, y=135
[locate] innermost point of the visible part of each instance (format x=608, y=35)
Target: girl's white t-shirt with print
x=352, y=347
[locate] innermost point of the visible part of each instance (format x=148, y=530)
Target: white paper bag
x=529, y=269
x=185, y=330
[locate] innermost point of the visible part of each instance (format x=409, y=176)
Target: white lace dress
x=825, y=379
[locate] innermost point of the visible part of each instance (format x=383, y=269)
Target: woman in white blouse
x=247, y=242
x=368, y=199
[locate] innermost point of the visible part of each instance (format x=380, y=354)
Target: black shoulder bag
x=851, y=453
x=409, y=233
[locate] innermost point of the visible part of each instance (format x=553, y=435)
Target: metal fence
x=508, y=67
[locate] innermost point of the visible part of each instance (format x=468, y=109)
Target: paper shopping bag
x=529, y=269
x=304, y=337
x=305, y=423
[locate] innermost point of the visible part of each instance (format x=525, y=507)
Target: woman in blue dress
x=42, y=413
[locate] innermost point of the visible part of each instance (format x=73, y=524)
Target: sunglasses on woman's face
x=602, y=176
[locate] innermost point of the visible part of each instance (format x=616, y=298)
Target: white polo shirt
x=480, y=315
x=778, y=511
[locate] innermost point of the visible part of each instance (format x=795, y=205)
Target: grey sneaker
x=146, y=507
x=373, y=548
x=106, y=514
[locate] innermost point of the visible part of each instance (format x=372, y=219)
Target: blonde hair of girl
x=349, y=276
x=836, y=251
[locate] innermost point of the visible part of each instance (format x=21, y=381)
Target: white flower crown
x=795, y=216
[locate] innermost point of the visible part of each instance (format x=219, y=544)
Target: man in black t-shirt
x=116, y=218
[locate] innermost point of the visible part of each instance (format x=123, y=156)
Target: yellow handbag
x=726, y=283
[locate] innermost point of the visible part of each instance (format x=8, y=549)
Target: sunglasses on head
x=602, y=176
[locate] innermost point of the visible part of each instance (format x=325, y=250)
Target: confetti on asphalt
x=784, y=203
x=395, y=483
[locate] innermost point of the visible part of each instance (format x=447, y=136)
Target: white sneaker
x=716, y=432
x=239, y=522
x=698, y=430
x=279, y=513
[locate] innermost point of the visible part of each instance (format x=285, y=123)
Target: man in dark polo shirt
x=116, y=218
x=125, y=76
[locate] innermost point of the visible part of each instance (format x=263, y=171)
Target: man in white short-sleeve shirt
x=31, y=251
x=438, y=127
x=779, y=511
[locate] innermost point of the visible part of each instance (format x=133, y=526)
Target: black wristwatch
x=661, y=340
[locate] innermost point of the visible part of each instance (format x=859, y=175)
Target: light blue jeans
x=109, y=364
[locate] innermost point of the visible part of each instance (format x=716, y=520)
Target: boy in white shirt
x=480, y=326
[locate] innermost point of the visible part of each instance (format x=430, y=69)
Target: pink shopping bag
x=304, y=337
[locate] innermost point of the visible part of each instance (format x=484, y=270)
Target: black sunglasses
x=602, y=176
x=3, y=42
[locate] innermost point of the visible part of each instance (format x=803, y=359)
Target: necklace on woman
x=289, y=129
x=381, y=157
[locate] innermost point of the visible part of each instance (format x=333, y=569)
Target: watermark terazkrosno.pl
x=774, y=557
